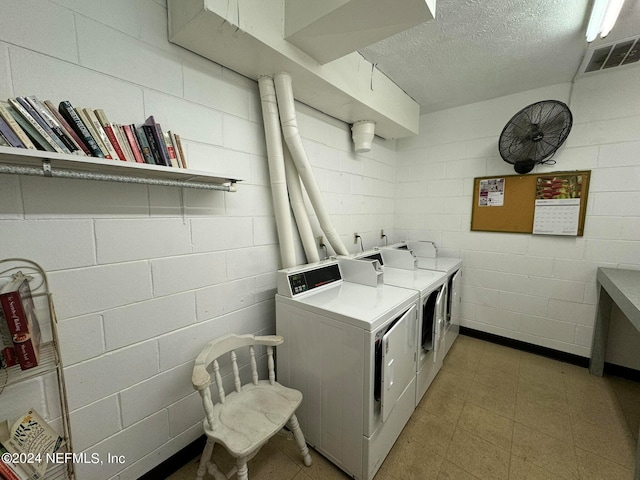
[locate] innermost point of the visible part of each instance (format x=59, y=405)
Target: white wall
x=143, y=276
x=537, y=289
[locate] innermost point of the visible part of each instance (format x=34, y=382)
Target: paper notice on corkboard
x=491, y=192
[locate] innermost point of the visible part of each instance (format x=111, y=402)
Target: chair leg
x=204, y=460
x=294, y=426
x=243, y=471
x=208, y=465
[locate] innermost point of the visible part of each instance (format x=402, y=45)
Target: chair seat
x=257, y=412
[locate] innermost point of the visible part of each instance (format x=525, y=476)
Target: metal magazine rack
x=32, y=388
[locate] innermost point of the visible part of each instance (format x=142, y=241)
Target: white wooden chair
x=248, y=417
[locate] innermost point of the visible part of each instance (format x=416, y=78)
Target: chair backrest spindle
x=272, y=372
x=254, y=366
x=216, y=372
x=207, y=404
x=236, y=373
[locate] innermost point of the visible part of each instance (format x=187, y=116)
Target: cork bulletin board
x=552, y=203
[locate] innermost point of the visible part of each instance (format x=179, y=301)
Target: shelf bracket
x=46, y=168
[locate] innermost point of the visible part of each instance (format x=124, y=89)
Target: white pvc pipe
x=294, y=142
x=299, y=209
x=275, y=156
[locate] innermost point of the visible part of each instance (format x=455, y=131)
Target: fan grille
x=535, y=133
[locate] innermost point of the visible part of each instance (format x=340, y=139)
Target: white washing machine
x=400, y=270
x=427, y=257
x=350, y=349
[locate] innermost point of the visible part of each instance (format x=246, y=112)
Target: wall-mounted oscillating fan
x=534, y=134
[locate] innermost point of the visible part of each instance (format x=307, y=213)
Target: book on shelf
x=20, y=314
x=89, y=124
x=24, y=112
x=144, y=145
x=57, y=144
x=111, y=134
x=156, y=131
x=32, y=438
x=63, y=137
x=178, y=149
x=77, y=141
x=6, y=115
x=181, y=150
x=9, y=135
x=133, y=143
x=104, y=139
x=69, y=113
x=153, y=146
x=34, y=136
x=3, y=141
x=171, y=151
x=122, y=138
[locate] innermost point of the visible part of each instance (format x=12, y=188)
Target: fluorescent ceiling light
x=603, y=16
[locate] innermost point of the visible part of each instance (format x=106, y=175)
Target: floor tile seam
x=609, y=459
x=628, y=434
x=587, y=452
x=446, y=452
x=544, y=469
x=522, y=402
x=445, y=459
x=544, y=432
x=489, y=441
x=483, y=382
x=461, y=467
x=475, y=435
x=493, y=412
x=520, y=395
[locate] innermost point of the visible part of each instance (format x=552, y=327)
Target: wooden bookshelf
x=22, y=161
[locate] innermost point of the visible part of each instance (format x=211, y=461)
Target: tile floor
x=493, y=413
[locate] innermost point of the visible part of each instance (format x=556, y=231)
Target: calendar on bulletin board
x=552, y=203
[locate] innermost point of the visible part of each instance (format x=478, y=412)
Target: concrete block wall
x=538, y=289
x=142, y=276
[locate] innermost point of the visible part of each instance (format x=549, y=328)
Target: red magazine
x=19, y=312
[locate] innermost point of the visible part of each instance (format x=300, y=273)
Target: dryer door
x=398, y=360
x=440, y=323
x=453, y=302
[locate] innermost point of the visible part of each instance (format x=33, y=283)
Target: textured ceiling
x=481, y=49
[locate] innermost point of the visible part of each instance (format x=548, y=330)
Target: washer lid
x=359, y=305
x=441, y=264
x=421, y=280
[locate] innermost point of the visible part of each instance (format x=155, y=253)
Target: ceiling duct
x=247, y=36
x=330, y=29
x=603, y=57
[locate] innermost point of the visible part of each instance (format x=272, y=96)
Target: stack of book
x=19, y=329
x=27, y=122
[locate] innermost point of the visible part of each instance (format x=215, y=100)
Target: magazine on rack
x=31, y=442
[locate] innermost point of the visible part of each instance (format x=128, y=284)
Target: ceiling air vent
x=614, y=55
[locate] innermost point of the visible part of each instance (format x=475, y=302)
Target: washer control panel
x=305, y=281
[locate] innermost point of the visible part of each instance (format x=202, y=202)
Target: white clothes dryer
x=427, y=258
x=400, y=271
x=350, y=349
